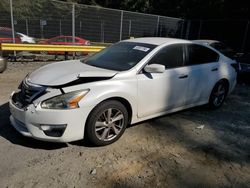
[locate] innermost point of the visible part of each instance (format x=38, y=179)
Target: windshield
x=121, y=56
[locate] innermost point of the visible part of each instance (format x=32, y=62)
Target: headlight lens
x=65, y=101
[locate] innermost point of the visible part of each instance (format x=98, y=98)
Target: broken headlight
x=65, y=101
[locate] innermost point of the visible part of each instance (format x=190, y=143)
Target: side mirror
x=154, y=68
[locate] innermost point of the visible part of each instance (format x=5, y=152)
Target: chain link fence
x=47, y=19
x=43, y=19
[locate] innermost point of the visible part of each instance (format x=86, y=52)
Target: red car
x=6, y=36
x=65, y=40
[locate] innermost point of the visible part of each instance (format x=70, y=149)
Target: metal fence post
x=73, y=21
x=157, y=26
x=12, y=25
x=80, y=28
x=102, y=31
x=121, y=25
x=182, y=28
x=188, y=29
x=245, y=37
x=27, y=27
x=73, y=26
x=41, y=27
x=60, y=26
x=199, y=34
x=129, y=28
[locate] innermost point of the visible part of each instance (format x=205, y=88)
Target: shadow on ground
x=10, y=134
x=175, y=153
x=229, y=127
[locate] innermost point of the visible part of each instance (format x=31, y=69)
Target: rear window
x=197, y=54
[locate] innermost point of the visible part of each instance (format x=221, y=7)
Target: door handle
x=214, y=69
x=183, y=76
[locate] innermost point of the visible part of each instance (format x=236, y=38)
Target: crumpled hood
x=64, y=72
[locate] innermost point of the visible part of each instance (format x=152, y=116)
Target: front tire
x=218, y=94
x=106, y=123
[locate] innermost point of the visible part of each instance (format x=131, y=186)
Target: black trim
x=81, y=80
x=184, y=76
x=214, y=69
x=62, y=91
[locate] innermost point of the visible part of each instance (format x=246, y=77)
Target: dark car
x=244, y=63
x=244, y=71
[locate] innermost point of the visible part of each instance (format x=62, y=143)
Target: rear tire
x=218, y=94
x=106, y=123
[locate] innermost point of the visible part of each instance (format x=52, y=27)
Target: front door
x=159, y=92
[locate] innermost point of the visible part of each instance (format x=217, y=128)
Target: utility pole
x=12, y=26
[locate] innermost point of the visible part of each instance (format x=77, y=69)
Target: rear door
x=159, y=92
x=203, y=68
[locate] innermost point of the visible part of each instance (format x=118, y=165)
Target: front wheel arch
x=122, y=100
x=93, y=115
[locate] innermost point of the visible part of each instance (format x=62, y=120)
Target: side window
x=59, y=39
x=170, y=56
x=70, y=39
x=198, y=54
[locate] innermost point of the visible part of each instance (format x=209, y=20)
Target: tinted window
x=225, y=50
x=198, y=54
x=121, y=56
x=170, y=56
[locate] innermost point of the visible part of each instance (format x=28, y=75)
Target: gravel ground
x=193, y=148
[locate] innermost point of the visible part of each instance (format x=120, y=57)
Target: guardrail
x=48, y=48
x=44, y=48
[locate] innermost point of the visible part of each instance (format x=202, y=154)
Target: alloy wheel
x=219, y=94
x=109, y=124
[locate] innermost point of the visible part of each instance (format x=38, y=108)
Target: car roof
x=5, y=29
x=65, y=36
x=205, y=41
x=157, y=40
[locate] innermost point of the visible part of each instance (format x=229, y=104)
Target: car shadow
x=228, y=124
x=9, y=133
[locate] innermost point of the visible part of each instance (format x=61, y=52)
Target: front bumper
x=28, y=121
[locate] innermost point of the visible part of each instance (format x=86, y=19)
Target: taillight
x=87, y=42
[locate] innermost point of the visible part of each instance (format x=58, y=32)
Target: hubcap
x=109, y=124
x=219, y=95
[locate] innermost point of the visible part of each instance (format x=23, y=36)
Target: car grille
x=27, y=94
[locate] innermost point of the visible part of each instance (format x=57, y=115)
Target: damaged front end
x=47, y=105
x=27, y=94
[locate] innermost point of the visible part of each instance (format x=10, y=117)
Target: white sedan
x=26, y=38
x=131, y=81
